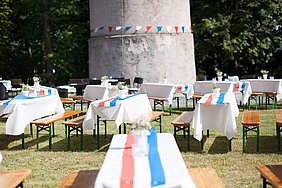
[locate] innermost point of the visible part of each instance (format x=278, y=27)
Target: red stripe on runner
x=209, y=100
x=102, y=103
x=179, y=88
x=237, y=87
x=127, y=173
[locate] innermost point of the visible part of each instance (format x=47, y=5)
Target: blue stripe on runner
x=186, y=87
x=243, y=86
x=157, y=172
x=220, y=98
x=49, y=91
x=19, y=97
x=113, y=102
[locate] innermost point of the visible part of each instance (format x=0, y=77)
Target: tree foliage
x=237, y=37
x=23, y=55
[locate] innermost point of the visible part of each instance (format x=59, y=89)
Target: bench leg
x=229, y=144
x=264, y=182
x=188, y=142
x=105, y=128
x=22, y=140
x=37, y=136
x=68, y=131
x=244, y=138
x=31, y=130
x=160, y=121
x=50, y=136
x=257, y=139
x=98, y=134
x=170, y=109
x=278, y=132
x=81, y=138
x=53, y=129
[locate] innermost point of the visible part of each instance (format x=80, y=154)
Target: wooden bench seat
x=250, y=122
x=256, y=97
x=79, y=179
x=68, y=103
x=160, y=101
x=13, y=178
x=47, y=123
x=183, y=123
x=271, y=174
x=196, y=97
x=82, y=99
x=156, y=116
x=278, y=116
x=205, y=178
x=75, y=124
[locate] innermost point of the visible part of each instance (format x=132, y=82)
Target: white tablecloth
x=206, y=87
x=261, y=85
x=216, y=116
x=7, y=84
x=128, y=110
x=165, y=90
x=22, y=112
x=96, y=92
x=175, y=170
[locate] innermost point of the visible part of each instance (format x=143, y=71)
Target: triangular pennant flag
x=118, y=28
x=110, y=28
x=183, y=29
x=148, y=27
x=168, y=28
x=100, y=28
x=137, y=28
x=159, y=28
x=176, y=29
x=127, y=28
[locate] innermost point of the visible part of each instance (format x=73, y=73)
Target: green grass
x=235, y=168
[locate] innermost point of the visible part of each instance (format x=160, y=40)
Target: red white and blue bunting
x=147, y=28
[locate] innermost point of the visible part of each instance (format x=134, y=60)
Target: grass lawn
x=235, y=168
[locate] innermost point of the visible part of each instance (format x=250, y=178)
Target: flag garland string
x=147, y=28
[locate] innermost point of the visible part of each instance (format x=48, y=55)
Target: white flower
x=104, y=78
x=36, y=79
x=264, y=72
x=141, y=124
x=121, y=86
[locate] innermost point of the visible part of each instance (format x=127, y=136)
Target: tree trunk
x=47, y=48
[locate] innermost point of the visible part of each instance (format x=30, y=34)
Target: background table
x=96, y=92
x=216, y=116
x=22, y=112
x=128, y=110
x=204, y=87
x=264, y=86
x=175, y=170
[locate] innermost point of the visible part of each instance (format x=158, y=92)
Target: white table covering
x=128, y=110
x=22, y=112
x=205, y=86
x=165, y=90
x=175, y=170
x=96, y=92
x=262, y=85
x=7, y=84
x=216, y=116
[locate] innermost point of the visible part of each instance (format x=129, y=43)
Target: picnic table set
x=161, y=165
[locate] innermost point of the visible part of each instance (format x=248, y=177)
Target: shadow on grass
x=89, y=143
x=267, y=144
x=195, y=145
x=220, y=145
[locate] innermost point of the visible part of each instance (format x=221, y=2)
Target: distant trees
x=47, y=38
x=238, y=37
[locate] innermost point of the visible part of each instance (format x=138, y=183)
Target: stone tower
x=146, y=38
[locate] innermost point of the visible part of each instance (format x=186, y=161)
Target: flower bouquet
x=104, y=80
x=264, y=73
x=36, y=81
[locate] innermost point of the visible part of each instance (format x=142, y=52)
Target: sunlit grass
x=235, y=168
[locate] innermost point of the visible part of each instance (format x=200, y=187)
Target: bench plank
x=251, y=118
x=75, y=121
x=46, y=121
x=80, y=178
x=272, y=173
x=184, y=119
x=205, y=178
x=13, y=178
x=278, y=118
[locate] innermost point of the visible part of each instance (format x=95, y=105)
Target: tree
x=237, y=37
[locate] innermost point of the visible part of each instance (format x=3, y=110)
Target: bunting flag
x=148, y=27
x=183, y=29
x=159, y=28
x=240, y=86
x=168, y=28
x=215, y=100
x=110, y=28
x=127, y=28
x=118, y=28
x=182, y=88
x=99, y=28
x=137, y=28
x=176, y=29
